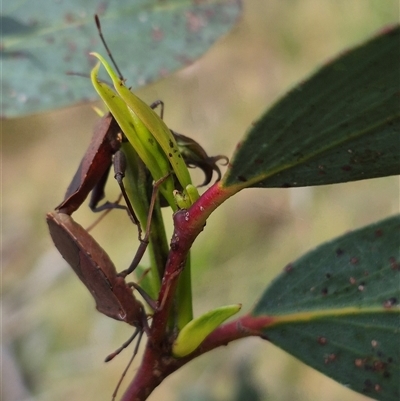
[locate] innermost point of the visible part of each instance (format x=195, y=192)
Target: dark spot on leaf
x=258, y=161
x=394, y=265
x=184, y=60
x=368, y=383
x=171, y=144
x=288, y=268
x=170, y=154
x=379, y=366
x=339, y=252
x=69, y=18
x=194, y=22
x=367, y=367
x=151, y=140
x=324, y=291
x=322, y=340
x=328, y=275
x=359, y=362
x=390, y=302
x=157, y=34
x=386, y=374
x=378, y=233
x=330, y=358
x=365, y=156
x=241, y=178
x=346, y=168
x=390, y=360
x=354, y=260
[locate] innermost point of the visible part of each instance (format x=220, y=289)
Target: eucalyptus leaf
x=42, y=41
x=340, y=125
x=337, y=309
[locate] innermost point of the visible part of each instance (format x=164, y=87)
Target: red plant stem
x=188, y=224
x=156, y=367
x=157, y=361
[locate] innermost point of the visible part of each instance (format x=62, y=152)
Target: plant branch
x=156, y=367
x=157, y=361
x=188, y=224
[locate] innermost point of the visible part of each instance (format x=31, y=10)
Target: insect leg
x=119, y=169
x=157, y=103
x=143, y=244
x=138, y=331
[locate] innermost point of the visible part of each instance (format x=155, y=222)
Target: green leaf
x=43, y=40
x=342, y=124
x=337, y=309
x=193, y=334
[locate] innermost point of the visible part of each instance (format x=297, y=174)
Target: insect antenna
x=97, y=20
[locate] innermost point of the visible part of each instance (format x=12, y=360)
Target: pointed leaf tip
x=340, y=125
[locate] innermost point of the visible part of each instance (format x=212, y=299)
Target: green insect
x=147, y=133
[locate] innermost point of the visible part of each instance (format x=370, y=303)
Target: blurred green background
x=54, y=341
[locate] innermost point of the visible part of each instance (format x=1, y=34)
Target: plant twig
x=158, y=361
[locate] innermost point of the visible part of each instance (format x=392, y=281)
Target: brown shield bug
x=113, y=296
